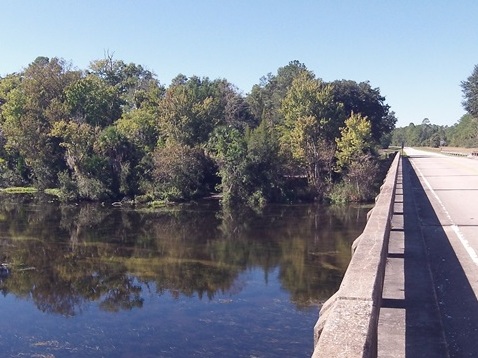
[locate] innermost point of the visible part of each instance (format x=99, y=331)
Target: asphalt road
x=445, y=190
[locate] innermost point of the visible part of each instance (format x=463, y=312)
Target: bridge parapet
x=347, y=325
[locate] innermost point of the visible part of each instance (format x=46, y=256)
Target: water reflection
x=64, y=257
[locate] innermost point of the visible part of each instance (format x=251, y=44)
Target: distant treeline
x=462, y=134
x=114, y=131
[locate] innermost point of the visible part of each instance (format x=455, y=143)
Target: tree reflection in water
x=63, y=257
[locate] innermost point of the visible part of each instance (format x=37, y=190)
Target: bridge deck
x=409, y=323
x=429, y=306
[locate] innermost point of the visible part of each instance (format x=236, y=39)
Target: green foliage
x=356, y=160
x=311, y=117
x=264, y=166
x=31, y=110
x=53, y=192
x=180, y=172
x=470, y=93
x=19, y=190
x=78, y=140
x=7, y=85
x=120, y=156
x=139, y=127
x=361, y=98
x=193, y=107
x=229, y=149
x=93, y=101
x=113, y=131
x=91, y=188
x=355, y=140
x=465, y=132
x=435, y=140
x=266, y=98
x=356, y=185
x=190, y=110
x=90, y=173
x=68, y=188
x=135, y=85
x=250, y=165
x=12, y=171
x=424, y=134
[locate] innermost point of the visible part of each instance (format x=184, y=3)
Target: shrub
x=180, y=172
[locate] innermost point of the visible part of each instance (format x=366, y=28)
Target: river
x=181, y=281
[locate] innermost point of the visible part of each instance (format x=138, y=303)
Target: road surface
x=450, y=233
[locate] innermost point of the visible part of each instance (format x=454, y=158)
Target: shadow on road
x=457, y=310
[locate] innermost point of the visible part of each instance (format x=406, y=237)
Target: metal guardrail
x=460, y=154
x=348, y=321
x=457, y=154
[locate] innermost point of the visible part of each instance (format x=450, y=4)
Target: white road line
x=455, y=228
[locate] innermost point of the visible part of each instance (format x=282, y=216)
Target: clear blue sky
x=416, y=51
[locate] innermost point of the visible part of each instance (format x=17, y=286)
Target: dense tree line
x=425, y=134
x=464, y=133
x=113, y=131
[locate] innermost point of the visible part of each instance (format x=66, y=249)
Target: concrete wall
x=347, y=325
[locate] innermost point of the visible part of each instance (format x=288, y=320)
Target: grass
x=157, y=204
x=19, y=190
x=29, y=190
x=54, y=192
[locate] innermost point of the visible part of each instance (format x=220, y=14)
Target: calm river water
x=189, y=281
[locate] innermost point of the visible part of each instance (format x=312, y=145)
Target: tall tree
x=131, y=81
x=193, y=107
x=355, y=140
x=265, y=98
x=465, y=132
x=30, y=113
x=311, y=121
x=7, y=85
x=362, y=98
x=13, y=171
x=83, y=179
x=250, y=164
x=92, y=100
x=228, y=147
x=140, y=128
x=180, y=172
x=265, y=175
x=356, y=159
x=188, y=112
x=470, y=93
x=236, y=111
x=122, y=157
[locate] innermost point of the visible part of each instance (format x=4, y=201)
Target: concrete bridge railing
x=347, y=325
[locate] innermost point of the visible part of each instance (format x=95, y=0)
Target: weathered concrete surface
x=392, y=320
x=410, y=323
x=347, y=326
